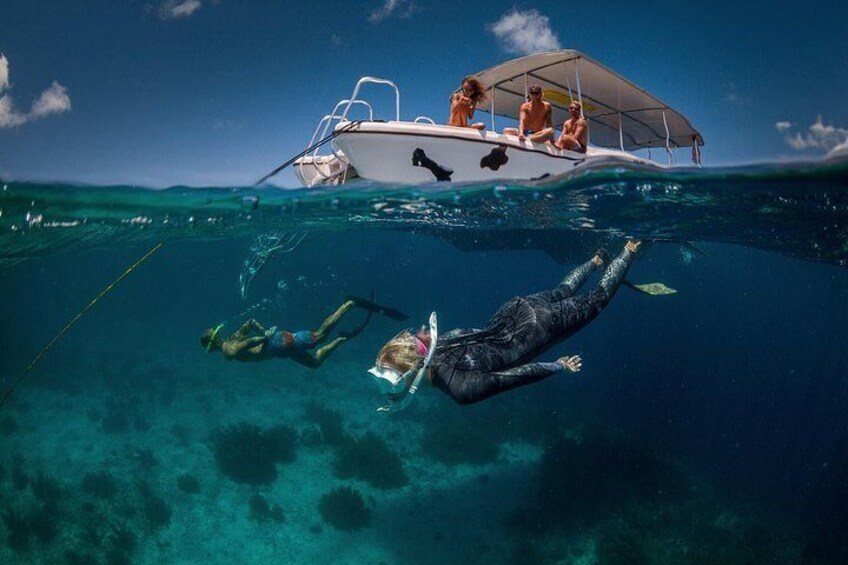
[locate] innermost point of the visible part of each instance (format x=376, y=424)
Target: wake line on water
x=799, y=209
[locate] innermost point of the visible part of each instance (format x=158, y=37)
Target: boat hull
x=322, y=170
x=413, y=153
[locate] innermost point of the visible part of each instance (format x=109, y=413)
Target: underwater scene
x=706, y=425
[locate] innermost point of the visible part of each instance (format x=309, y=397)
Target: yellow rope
x=70, y=324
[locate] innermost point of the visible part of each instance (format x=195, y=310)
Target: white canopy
x=608, y=100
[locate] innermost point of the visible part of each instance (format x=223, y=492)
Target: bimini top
x=608, y=100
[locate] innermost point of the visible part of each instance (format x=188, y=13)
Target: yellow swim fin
x=654, y=289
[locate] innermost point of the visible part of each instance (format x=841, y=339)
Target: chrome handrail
x=424, y=119
x=326, y=121
x=374, y=80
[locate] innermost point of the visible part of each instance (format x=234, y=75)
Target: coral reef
x=188, y=484
x=20, y=480
x=281, y=441
x=100, y=485
x=329, y=422
x=582, y=477
x=8, y=425
x=46, y=489
x=247, y=454
x=18, y=529
x=344, y=509
x=115, y=421
x=155, y=510
x=369, y=459
x=452, y=442
x=144, y=457
x=262, y=511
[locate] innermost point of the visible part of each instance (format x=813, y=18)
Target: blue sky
x=204, y=92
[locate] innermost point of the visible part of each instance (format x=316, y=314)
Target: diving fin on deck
x=372, y=306
x=652, y=289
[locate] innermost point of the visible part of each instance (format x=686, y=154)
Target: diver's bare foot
x=632, y=245
x=601, y=257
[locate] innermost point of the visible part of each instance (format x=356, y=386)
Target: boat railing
x=425, y=119
x=374, y=80
x=326, y=122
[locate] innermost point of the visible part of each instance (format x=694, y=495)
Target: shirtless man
x=575, y=130
x=253, y=343
x=534, y=118
x=464, y=103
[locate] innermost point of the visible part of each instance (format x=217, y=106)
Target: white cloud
x=53, y=100
x=173, y=9
x=783, y=127
x=4, y=73
x=9, y=117
x=818, y=136
x=525, y=32
x=393, y=8
x=841, y=148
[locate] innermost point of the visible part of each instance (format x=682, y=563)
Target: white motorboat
x=623, y=118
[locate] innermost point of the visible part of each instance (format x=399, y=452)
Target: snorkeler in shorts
x=253, y=343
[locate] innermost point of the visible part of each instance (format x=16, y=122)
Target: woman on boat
x=464, y=102
x=253, y=343
x=472, y=365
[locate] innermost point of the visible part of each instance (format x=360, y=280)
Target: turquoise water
x=707, y=426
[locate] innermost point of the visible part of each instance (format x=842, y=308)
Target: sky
x=218, y=92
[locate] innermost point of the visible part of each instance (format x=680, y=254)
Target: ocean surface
x=709, y=426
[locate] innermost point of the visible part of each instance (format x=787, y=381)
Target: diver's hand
x=632, y=245
x=270, y=331
x=573, y=363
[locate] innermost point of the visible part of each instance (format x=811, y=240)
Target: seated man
x=534, y=118
x=575, y=130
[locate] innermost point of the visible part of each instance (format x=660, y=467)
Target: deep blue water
x=708, y=426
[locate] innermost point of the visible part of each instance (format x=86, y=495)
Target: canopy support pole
x=667, y=138
x=525, y=87
x=580, y=98
x=620, y=133
x=696, y=151
x=494, y=89
x=568, y=81
x=579, y=90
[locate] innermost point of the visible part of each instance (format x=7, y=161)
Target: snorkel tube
x=213, y=336
x=419, y=376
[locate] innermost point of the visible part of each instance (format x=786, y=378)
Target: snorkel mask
x=392, y=382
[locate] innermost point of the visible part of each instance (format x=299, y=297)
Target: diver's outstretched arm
x=475, y=386
x=234, y=347
x=247, y=327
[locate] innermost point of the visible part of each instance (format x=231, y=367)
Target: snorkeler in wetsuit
x=253, y=343
x=472, y=365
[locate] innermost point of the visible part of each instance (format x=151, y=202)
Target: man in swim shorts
x=534, y=118
x=253, y=343
x=575, y=130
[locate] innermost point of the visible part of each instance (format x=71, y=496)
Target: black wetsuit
x=472, y=365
